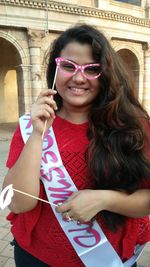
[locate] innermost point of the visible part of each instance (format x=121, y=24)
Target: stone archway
x=9, y=59
x=132, y=64
x=14, y=69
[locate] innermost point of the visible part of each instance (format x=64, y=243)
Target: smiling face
x=77, y=91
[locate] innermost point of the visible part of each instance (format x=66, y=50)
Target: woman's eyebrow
x=80, y=64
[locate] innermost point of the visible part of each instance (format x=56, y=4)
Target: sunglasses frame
x=58, y=60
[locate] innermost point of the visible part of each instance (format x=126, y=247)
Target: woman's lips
x=78, y=91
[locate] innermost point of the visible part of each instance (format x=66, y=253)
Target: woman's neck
x=76, y=116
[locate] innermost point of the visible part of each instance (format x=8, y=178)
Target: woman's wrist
x=35, y=140
x=103, y=199
x=37, y=135
x=110, y=199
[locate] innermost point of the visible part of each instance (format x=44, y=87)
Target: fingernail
x=59, y=204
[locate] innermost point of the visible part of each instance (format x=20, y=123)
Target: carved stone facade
x=27, y=29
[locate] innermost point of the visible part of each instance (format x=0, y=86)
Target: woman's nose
x=79, y=77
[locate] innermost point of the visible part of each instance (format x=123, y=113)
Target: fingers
x=69, y=212
x=46, y=97
x=47, y=92
x=45, y=106
x=78, y=207
x=47, y=101
x=67, y=217
x=67, y=205
x=45, y=111
x=63, y=208
x=70, y=216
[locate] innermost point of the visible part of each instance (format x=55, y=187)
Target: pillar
x=35, y=41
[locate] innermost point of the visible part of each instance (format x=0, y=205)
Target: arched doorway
x=9, y=60
x=132, y=64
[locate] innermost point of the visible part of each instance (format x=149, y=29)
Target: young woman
x=103, y=136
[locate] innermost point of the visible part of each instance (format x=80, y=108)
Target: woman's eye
x=67, y=66
x=92, y=69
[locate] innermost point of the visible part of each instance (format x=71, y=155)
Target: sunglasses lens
x=92, y=71
x=67, y=67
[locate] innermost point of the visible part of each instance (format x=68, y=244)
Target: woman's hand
x=82, y=205
x=43, y=109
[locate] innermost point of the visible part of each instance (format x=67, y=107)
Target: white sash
x=90, y=243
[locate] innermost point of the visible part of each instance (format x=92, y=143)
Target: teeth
x=77, y=89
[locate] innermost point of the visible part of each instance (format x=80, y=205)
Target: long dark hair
x=116, y=153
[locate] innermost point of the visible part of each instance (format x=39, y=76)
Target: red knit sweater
x=39, y=232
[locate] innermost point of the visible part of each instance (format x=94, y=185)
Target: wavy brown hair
x=116, y=154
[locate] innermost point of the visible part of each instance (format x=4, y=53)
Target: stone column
x=24, y=88
x=147, y=9
x=3, y=72
x=43, y=74
x=146, y=92
x=35, y=40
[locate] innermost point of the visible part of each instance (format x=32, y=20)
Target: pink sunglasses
x=69, y=68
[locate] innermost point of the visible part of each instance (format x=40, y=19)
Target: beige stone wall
x=89, y=3
x=127, y=8
x=10, y=97
x=124, y=8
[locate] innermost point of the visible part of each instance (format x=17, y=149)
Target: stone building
x=28, y=27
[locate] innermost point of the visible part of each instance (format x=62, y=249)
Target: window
x=132, y=2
